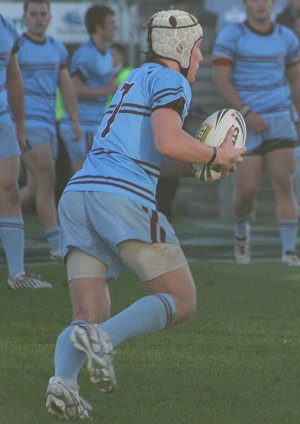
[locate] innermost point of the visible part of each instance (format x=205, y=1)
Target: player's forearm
x=175, y=143
x=15, y=93
x=86, y=93
x=180, y=146
x=70, y=103
x=295, y=89
x=227, y=91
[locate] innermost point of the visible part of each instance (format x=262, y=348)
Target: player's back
x=123, y=158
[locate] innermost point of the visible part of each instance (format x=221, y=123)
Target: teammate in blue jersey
x=257, y=71
x=109, y=216
x=12, y=143
x=92, y=77
x=43, y=66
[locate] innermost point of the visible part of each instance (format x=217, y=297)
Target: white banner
x=67, y=24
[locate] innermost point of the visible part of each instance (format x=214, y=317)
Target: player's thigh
x=281, y=165
x=9, y=190
x=88, y=286
x=9, y=172
x=164, y=269
x=39, y=161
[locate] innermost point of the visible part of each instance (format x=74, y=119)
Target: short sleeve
x=292, y=42
x=171, y=90
x=63, y=55
x=226, y=42
x=80, y=63
x=14, y=34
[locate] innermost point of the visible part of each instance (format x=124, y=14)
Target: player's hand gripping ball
x=213, y=132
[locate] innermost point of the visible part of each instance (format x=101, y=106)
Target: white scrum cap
x=173, y=34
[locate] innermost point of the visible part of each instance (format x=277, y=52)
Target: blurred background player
x=253, y=64
x=12, y=143
x=92, y=77
x=121, y=70
x=43, y=66
x=290, y=17
x=290, y=13
x=109, y=217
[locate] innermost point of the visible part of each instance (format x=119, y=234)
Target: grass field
x=235, y=362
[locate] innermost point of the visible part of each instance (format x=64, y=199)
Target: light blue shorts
x=96, y=222
x=9, y=146
x=281, y=129
x=37, y=136
x=77, y=150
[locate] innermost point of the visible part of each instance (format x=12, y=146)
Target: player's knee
x=186, y=307
x=9, y=187
x=247, y=193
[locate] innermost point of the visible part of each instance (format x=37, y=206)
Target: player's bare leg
x=247, y=183
x=281, y=166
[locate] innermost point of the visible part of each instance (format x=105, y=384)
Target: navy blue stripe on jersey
x=134, y=112
x=149, y=165
x=98, y=102
x=51, y=96
x=114, y=184
x=101, y=151
x=39, y=66
x=226, y=50
x=154, y=170
x=3, y=21
x=135, y=106
x=261, y=59
x=167, y=92
x=102, y=78
x=131, y=109
x=40, y=118
x=87, y=122
x=119, y=180
x=174, y=90
x=241, y=28
x=260, y=87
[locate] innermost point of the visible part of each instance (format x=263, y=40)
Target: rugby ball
x=213, y=132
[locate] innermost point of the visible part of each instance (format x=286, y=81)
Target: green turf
x=235, y=362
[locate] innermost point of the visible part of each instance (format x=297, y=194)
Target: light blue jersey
x=123, y=159
x=9, y=44
x=259, y=65
x=40, y=63
x=95, y=68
